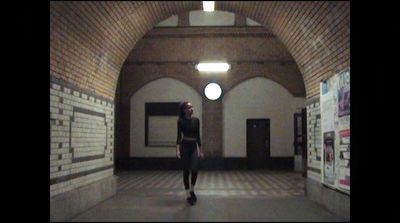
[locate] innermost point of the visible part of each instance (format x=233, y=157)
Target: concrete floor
x=222, y=196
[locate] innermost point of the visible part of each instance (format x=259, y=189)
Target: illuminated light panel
x=208, y=6
x=213, y=67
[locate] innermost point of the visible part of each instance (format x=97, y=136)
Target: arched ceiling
x=89, y=41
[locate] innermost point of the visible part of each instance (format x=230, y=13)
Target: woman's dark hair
x=182, y=107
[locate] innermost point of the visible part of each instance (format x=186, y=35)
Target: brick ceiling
x=89, y=41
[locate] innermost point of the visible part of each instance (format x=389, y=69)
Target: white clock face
x=213, y=91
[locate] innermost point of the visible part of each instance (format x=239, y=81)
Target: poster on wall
x=328, y=108
x=335, y=131
x=343, y=130
x=344, y=94
x=329, y=157
x=344, y=167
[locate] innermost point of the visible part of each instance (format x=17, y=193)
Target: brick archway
x=89, y=41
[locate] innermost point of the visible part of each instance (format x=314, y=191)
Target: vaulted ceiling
x=89, y=41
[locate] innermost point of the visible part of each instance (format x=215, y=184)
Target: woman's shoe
x=193, y=196
x=190, y=200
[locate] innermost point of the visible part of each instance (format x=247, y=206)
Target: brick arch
x=143, y=83
x=139, y=75
x=269, y=77
x=89, y=41
x=317, y=34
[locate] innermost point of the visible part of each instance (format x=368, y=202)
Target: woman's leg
x=194, y=166
x=186, y=179
x=194, y=169
x=193, y=178
x=185, y=166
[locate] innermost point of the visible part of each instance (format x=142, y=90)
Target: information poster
x=344, y=167
x=335, y=130
x=344, y=130
x=329, y=157
x=329, y=115
x=344, y=94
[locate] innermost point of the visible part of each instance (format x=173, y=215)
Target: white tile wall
x=88, y=137
x=314, y=140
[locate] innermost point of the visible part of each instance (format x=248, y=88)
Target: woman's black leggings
x=190, y=162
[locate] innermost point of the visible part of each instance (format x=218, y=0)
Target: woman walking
x=188, y=148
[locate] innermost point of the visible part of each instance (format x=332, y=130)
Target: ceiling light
x=213, y=67
x=212, y=91
x=208, y=6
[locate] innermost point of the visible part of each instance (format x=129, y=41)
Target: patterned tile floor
x=218, y=183
x=223, y=196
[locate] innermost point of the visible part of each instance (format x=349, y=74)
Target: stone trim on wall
x=215, y=31
x=193, y=62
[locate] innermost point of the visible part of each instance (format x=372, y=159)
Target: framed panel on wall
x=161, y=123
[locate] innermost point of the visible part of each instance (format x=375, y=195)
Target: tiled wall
x=81, y=137
x=314, y=139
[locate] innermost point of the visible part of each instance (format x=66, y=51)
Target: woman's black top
x=188, y=128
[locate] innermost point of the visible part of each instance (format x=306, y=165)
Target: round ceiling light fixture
x=212, y=91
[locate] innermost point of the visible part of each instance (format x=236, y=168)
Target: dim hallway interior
x=118, y=70
x=252, y=195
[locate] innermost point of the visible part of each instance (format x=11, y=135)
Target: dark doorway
x=258, y=143
x=300, y=139
x=304, y=140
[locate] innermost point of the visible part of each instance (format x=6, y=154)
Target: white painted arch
x=259, y=97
